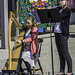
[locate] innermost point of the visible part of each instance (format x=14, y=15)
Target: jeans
x=62, y=47
x=27, y=65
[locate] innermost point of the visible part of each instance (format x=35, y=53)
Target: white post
x=4, y=24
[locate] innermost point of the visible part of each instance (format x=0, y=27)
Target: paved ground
x=45, y=58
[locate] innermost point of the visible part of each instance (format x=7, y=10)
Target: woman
x=30, y=53
x=61, y=37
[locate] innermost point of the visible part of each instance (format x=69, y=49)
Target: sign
x=70, y=2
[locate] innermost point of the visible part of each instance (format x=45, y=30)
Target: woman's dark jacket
x=65, y=14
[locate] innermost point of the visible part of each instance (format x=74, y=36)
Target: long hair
x=30, y=18
x=33, y=21
x=66, y=4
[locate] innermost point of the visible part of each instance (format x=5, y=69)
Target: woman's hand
x=16, y=40
x=19, y=41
